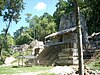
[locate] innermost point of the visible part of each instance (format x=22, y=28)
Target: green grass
x=10, y=70
x=95, y=65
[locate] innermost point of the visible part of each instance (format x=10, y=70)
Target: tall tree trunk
x=7, y=27
x=79, y=38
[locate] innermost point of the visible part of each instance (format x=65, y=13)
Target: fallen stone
x=9, y=60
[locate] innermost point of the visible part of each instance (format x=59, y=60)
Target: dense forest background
x=41, y=26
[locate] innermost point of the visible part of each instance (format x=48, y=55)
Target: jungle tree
x=10, y=11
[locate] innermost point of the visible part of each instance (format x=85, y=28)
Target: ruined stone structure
x=61, y=47
x=37, y=47
x=66, y=38
x=28, y=52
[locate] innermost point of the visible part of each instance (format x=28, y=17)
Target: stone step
x=67, y=52
x=63, y=54
x=64, y=62
x=65, y=58
x=43, y=62
x=68, y=58
x=70, y=49
x=67, y=49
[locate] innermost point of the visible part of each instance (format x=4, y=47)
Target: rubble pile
x=66, y=70
x=62, y=70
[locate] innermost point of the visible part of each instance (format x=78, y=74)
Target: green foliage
x=19, y=31
x=12, y=10
x=63, y=7
x=1, y=62
x=24, y=38
x=90, y=9
x=10, y=41
x=28, y=17
x=47, y=24
x=15, y=54
x=1, y=6
x=93, y=12
x=5, y=49
x=41, y=26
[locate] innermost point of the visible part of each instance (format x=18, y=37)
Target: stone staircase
x=48, y=55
